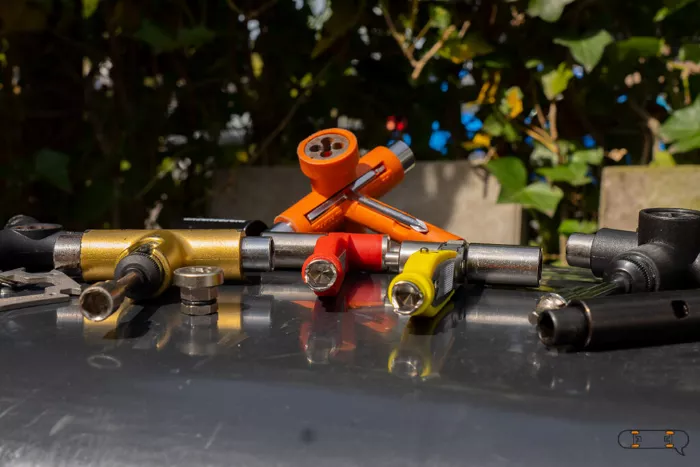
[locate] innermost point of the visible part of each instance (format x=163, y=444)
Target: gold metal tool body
x=101, y=251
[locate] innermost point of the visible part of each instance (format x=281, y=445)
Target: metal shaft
x=100, y=300
x=290, y=250
x=400, y=217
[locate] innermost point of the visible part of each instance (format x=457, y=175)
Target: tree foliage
x=110, y=107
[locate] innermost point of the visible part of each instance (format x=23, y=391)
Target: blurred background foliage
x=116, y=111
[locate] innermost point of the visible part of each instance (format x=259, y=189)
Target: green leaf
x=533, y=63
x=689, y=52
x=155, y=37
x=556, y=81
x=671, y=7
x=539, y=196
x=493, y=125
x=510, y=173
x=541, y=155
x=461, y=50
x=440, y=17
x=571, y=226
x=161, y=41
x=682, y=128
x=574, y=174
x=662, y=159
x=587, y=50
x=548, y=10
x=194, y=37
x=52, y=166
x=256, y=62
x=686, y=145
x=306, y=80
x=89, y=7
x=496, y=125
x=588, y=156
x=635, y=47
x=345, y=16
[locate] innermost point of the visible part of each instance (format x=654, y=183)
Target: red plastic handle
x=363, y=252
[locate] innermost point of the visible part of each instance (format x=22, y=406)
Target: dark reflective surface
x=279, y=378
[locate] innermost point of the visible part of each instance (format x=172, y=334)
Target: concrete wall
x=627, y=190
x=451, y=195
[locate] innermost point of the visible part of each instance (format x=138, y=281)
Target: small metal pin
x=406, y=298
x=320, y=275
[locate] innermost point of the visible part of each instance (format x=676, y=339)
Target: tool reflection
x=240, y=315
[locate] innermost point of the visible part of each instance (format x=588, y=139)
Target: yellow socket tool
x=426, y=283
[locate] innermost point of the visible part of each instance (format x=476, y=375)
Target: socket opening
x=680, y=309
x=96, y=304
x=545, y=328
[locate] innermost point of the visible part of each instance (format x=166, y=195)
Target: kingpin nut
x=198, y=288
x=406, y=298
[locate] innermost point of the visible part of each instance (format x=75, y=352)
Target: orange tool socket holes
x=329, y=158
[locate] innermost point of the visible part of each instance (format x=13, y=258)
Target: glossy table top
x=279, y=378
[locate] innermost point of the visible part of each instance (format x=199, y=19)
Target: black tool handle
x=249, y=227
x=636, y=320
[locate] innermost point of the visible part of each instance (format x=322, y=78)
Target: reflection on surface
x=481, y=343
x=239, y=316
x=424, y=345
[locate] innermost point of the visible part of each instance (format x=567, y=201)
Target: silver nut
x=196, y=277
x=199, y=310
x=205, y=294
x=198, y=284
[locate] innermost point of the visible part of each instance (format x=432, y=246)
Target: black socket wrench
x=669, y=227
x=664, y=254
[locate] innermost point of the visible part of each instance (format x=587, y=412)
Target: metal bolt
x=320, y=275
x=195, y=309
x=406, y=298
x=198, y=288
x=547, y=302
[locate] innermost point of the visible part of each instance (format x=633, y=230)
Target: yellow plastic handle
x=419, y=270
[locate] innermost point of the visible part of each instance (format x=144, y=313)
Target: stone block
x=451, y=195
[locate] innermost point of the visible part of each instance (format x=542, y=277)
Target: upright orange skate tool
x=343, y=188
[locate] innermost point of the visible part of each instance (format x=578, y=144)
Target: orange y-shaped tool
x=343, y=188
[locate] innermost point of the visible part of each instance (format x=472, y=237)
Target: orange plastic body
x=375, y=221
x=333, y=219
x=330, y=177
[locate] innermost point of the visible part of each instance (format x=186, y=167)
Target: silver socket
x=291, y=249
x=256, y=254
x=578, y=250
x=504, y=264
x=404, y=154
x=66, y=253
